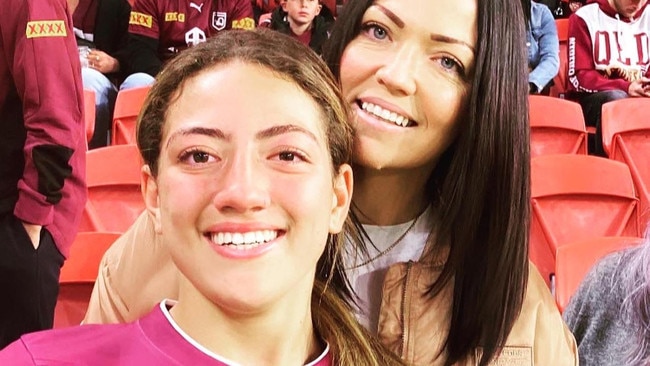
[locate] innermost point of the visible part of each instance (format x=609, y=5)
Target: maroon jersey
x=181, y=24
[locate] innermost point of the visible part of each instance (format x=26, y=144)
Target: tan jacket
x=135, y=274
x=414, y=326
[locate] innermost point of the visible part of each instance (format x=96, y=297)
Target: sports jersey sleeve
x=242, y=15
x=583, y=76
x=144, y=37
x=40, y=48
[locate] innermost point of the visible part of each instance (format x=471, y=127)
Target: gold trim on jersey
x=141, y=19
x=45, y=28
x=244, y=23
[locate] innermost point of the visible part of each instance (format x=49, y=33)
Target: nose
x=398, y=72
x=242, y=187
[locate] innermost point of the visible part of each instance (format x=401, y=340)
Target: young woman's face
x=407, y=75
x=245, y=195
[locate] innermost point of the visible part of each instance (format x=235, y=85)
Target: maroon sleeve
x=144, y=19
x=44, y=63
x=583, y=76
x=242, y=14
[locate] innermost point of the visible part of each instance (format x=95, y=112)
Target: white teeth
x=385, y=114
x=250, y=239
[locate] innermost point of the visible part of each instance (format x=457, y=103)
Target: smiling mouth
x=244, y=241
x=386, y=115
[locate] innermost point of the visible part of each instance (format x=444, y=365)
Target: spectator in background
x=158, y=29
x=609, y=314
x=562, y=8
x=102, y=26
x=308, y=21
x=250, y=209
x=42, y=149
x=543, y=46
x=609, y=56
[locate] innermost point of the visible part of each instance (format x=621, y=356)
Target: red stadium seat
x=573, y=262
x=626, y=138
x=560, y=82
x=89, y=113
x=78, y=276
x=557, y=126
x=575, y=198
x=127, y=107
x=114, y=196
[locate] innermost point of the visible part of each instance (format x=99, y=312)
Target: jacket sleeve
x=143, y=39
x=549, y=47
x=583, y=76
x=242, y=15
x=44, y=64
x=135, y=274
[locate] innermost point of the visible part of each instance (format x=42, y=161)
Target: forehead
x=239, y=97
x=455, y=19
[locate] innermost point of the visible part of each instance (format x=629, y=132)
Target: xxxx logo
x=246, y=23
x=45, y=28
x=141, y=19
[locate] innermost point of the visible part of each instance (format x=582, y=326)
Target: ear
x=320, y=7
x=151, y=198
x=341, y=198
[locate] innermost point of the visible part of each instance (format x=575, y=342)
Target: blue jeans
x=105, y=94
x=592, y=104
x=137, y=80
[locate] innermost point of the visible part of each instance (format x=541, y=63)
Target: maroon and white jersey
x=606, y=50
x=181, y=24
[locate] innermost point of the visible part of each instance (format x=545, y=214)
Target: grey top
x=603, y=334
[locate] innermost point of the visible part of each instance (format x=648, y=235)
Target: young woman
x=248, y=203
x=439, y=95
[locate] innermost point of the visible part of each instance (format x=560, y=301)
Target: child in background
x=308, y=21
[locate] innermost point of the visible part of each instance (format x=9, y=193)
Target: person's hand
x=574, y=6
x=34, y=233
x=102, y=62
x=639, y=88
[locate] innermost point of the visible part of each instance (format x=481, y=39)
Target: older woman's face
x=245, y=195
x=407, y=76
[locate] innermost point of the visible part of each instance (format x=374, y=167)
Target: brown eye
x=287, y=156
x=200, y=157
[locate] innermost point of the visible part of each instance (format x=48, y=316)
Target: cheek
x=184, y=197
x=353, y=71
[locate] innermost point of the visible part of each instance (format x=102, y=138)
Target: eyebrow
x=210, y=132
x=397, y=20
x=445, y=39
x=282, y=129
x=434, y=37
x=219, y=134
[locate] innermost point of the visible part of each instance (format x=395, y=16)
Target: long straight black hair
x=480, y=186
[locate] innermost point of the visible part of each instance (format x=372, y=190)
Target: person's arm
x=549, y=48
x=143, y=39
x=242, y=15
x=37, y=40
x=583, y=76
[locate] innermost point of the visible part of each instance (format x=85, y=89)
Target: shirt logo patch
x=175, y=17
x=219, y=20
x=245, y=23
x=513, y=356
x=45, y=28
x=194, y=36
x=141, y=19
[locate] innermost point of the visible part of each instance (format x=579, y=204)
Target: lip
x=231, y=252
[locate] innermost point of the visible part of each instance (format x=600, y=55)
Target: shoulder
x=69, y=345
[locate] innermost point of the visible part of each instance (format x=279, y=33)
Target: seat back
x=89, y=113
x=626, y=138
x=557, y=126
x=114, y=195
x=78, y=276
x=127, y=107
x=560, y=81
x=578, y=197
x=574, y=260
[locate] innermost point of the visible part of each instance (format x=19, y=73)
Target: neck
x=280, y=335
x=402, y=195
x=299, y=29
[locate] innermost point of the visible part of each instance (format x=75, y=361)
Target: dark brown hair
x=480, y=186
x=289, y=60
